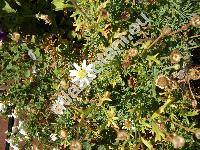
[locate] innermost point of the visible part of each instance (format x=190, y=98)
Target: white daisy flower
x=2, y=107
x=53, y=137
x=58, y=106
x=83, y=75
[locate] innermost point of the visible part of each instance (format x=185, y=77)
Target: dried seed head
x=132, y=53
x=197, y=133
x=178, y=141
x=104, y=13
x=75, y=145
x=166, y=30
x=132, y=82
x=125, y=15
x=175, y=56
x=63, y=134
x=15, y=36
x=126, y=63
x=194, y=103
x=194, y=74
x=195, y=21
x=162, y=82
x=122, y=135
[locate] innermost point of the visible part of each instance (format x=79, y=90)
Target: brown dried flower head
x=125, y=15
x=15, y=36
x=195, y=21
x=132, y=82
x=162, y=82
x=175, y=56
x=126, y=63
x=104, y=13
x=178, y=141
x=122, y=135
x=166, y=30
x=132, y=52
x=75, y=145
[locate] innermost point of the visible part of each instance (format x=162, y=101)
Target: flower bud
x=75, y=145
x=176, y=66
x=195, y=22
x=197, y=133
x=178, y=141
x=175, y=56
x=15, y=36
x=1, y=43
x=2, y=107
x=63, y=134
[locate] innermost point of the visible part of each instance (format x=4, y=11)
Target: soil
x=3, y=129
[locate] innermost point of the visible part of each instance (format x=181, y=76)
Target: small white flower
x=83, y=75
x=2, y=107
x=53, y=137
x=58, y=106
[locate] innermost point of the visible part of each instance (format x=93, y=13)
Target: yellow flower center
x=81, y=73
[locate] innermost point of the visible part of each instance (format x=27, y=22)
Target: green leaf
x=27, y=73
x=147, y=143
x=192, y=113
x=59, y=4
x=8, y=9
x=157, y=131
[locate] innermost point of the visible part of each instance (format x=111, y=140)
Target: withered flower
x=75, y=145
x=122, y=135
x=162, y=82
x=175, y=56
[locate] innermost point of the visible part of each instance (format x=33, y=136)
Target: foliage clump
x=146, y=96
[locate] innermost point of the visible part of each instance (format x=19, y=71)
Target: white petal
x=89, y=67
x=73, y=73
x=91, y=75
x=84, y=64
x=86, y=81
x=81, y=83
x=76, y=66
x=75, y=79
